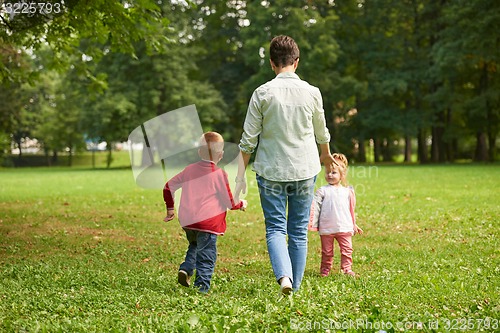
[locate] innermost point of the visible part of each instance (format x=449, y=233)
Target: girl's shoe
x=324, y=273
x=351, y=273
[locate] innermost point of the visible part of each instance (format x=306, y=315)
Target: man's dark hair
x=283, y=51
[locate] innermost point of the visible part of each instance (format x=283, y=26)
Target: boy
x=205, y=198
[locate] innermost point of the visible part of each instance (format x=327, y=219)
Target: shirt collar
x=286, y=75
x=207, y=161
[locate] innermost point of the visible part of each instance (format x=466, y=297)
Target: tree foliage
x=114, y=24
x=413, y=77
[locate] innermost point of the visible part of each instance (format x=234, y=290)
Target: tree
x=151, y=84
x=54, y=31
x=311, y=25
x=378, y=52
x=388, y=70
x=62, y=25
x=12, y=96
x=217, y=34
x=466, y=59
x=58, y=116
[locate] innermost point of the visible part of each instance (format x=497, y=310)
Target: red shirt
x=205, y=197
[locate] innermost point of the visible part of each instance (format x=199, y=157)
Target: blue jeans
x=287, y=259
x=200, y=256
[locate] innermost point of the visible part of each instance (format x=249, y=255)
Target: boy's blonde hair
x=210, y=145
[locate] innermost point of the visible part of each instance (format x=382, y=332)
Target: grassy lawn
x=87, y=251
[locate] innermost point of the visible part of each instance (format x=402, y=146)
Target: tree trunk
x=70, y=157
x=438, y=146
x=434, y=145
x=423, y=156
x=47, y=156
x=450, y=144
x=407, y=148
x=437, y=150
x=492, y=149
x=18, y=143
x=387, y=150
x=109, y=158
x=376, y=150
x=492, y=129
x=54, y=157
x=481, y=153
x=361, y=150
x=484, y=153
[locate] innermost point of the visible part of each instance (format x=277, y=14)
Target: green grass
x=87, y=251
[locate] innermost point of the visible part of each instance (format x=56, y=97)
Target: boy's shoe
x=183, y=278
x=286, y=286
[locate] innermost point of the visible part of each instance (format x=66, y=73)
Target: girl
x=333, y=216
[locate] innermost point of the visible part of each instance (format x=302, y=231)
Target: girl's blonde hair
x=341, y=158
x=341, y=163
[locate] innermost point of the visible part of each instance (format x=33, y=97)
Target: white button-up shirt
x=334, y=210
x=285, y=120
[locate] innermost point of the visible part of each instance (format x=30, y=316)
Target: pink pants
x=345, y=244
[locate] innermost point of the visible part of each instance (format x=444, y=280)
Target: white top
x=333, y=209
x=285, y=117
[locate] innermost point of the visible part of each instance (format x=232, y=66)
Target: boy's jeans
x=201, y=255
x=287, y=260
